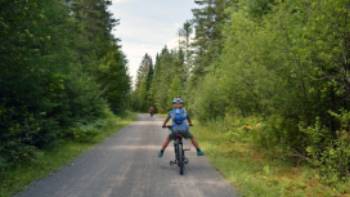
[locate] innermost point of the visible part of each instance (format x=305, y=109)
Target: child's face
x=177, y=105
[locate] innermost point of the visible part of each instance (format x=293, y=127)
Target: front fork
x=177, y=159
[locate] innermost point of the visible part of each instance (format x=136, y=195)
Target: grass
x=16, y=179
x=253, y=171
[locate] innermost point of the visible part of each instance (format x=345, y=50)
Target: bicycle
x=180, y=158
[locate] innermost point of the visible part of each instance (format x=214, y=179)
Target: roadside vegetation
x=253, y=170
x=62, y=75
x=270, y=79
x=285, y=63
x=16, y=178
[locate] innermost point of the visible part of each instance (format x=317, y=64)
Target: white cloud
x=119, y=1
x=135, y=53
x=147, y=26
x=173, y=43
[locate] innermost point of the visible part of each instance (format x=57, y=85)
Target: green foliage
x=16, y=178
x=258, y=8
x=114, y=81
x=331, y=156
x=209, y=102
x=209, y=18
x=253, y=170
x=88, y=131
x=142, y=96
x=287, y=62
x=59, y=70
x=157, y=86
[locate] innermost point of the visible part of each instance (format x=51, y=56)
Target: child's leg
x=166, y=143
x=193, y=140
x=195, y=143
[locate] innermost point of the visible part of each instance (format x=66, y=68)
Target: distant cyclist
x=151, y=110
x=180, y=123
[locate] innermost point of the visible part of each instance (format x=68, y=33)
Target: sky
x=146, y=26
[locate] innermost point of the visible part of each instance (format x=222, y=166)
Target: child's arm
x=166, y=121
x=189, y=121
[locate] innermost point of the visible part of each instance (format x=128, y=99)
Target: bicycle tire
x=181, y=160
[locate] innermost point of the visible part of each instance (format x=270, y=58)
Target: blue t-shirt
x=179, y=119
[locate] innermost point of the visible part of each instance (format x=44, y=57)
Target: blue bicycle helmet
x=178, y=100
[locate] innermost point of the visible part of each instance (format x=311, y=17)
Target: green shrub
x=53, y=74
x=209, y=103
x=330, y=155
x=283, y=61
x=242, y=129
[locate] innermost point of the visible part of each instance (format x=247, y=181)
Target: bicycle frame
x=180, y=158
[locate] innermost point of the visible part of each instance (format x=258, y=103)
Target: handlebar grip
x=166, y=126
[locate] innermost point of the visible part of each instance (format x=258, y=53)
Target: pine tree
x=55, y=59
x=142, y=93
x=208, y=22
x=185, y=42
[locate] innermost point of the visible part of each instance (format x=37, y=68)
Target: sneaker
x=200, y=152
x=161, y=153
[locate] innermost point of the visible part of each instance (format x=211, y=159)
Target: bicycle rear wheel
x=181, y=160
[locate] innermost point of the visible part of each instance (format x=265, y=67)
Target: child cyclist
x=180, y=123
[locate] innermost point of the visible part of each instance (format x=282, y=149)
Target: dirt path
x=126, y=165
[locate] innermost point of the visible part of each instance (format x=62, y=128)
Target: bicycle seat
x=178, y=135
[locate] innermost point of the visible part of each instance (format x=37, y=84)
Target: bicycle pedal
x=172, y=163
x=186, y=161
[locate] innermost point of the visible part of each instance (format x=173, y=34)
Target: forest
x=286, y=63
x=54, y=81
x=271, y=74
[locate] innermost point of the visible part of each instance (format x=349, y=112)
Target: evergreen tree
x=285, y=62
x=209, y=19
x=185, y=43
x=99, y=51
x=142, y=93
x=59, y=63
x=169, y=78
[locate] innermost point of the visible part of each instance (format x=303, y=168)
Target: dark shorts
x=184, y=134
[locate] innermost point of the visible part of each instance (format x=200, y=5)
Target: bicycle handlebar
x=169, y=126
x=166, y=126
